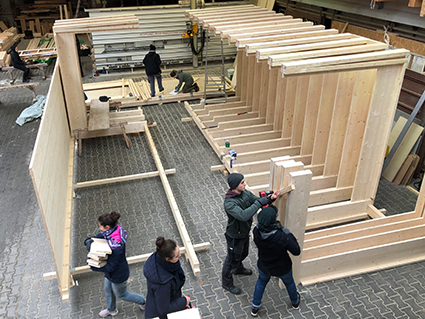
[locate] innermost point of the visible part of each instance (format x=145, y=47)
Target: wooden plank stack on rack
x=323, y=99
x=7, y=39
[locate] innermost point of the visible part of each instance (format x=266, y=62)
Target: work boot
x=196, y=87
x=234, y=290
x=244, y=272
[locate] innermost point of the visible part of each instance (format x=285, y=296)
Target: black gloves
x=264, y=201
x=88, y=242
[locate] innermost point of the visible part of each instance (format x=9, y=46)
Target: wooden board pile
x=7, y=39
x=39, y=48
x=99, y=251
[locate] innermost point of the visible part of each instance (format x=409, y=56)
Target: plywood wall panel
x=340, y=115
x=271, y=95
x=360, y=102
x=300, y=108
x=327, y=101
x=312, y=110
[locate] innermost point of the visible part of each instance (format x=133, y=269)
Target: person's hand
x=263, y=201
x=276, y=194
x=187, y=300
x=87, y=243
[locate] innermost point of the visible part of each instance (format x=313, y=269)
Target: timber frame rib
x=312, y=100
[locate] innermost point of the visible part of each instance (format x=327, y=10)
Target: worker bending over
x=189, y=83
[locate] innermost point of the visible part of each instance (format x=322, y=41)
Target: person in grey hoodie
x=240, y=206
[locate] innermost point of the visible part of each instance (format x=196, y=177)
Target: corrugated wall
x=162, y=26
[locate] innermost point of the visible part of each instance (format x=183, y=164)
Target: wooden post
x=239, y=71
x=271, y=95
x=381, y=112
x=73, y=86
x=296, y=213
x=280, y=101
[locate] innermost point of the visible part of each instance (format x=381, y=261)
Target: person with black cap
x=240, y=206
x=273, y=242
x=18, y=63
x=152, y=62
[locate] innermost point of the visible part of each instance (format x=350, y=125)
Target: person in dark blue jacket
x=165, y=279
x=152, y=62
x=273, y=242
x=116, y=270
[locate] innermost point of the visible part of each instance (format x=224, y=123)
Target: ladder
x=216, y=83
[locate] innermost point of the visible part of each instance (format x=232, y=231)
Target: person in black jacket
x=116, y=270
x=273, y=242
x=165, y=279
x=152, y=62
x=240, y=205
x=18, y=63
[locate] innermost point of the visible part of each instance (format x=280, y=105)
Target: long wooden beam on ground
x=130, y=260
x=187, y=243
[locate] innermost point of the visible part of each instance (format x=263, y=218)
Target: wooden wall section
x=325, y=104
x=51, y=171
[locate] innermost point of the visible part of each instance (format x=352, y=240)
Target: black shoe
x=244, y=272
x=254, y=311
x=297, y=304
x=25, y=81
x=234, y=290
x=196, y=87
x=161, y=90
x=152, y=95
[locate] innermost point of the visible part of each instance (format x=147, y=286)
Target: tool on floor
x=226, y=143
x=189, y=306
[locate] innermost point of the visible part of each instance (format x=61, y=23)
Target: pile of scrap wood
x=7, y=39
x=99, y=251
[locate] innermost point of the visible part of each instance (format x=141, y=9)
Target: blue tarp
x=32, y=112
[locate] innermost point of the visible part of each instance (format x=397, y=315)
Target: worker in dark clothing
x=18, y=63
x=273, y=242
x=240, y=206
x=152, y=62
x=187, y=79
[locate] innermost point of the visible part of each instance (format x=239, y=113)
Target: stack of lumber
x=405, y=174
x=99, y=251
x=7, y=39
x=39, y=48
x=3, y=26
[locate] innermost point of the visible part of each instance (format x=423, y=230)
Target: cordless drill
x=265, y=193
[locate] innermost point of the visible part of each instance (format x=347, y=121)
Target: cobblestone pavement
x=393, y=293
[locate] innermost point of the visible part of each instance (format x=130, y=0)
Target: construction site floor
x=25, y=253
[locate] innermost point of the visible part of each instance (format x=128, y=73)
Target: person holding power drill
x=240, y=206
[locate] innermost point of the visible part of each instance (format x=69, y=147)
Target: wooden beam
x=130, y=260
x=278, y=37
x=296, y=214
x=187, y=243
x=253, y=47
x=121, y=179
x=248, y=138
x=330, y=195
x=263, y=54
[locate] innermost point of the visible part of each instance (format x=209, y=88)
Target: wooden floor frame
x=313, y=100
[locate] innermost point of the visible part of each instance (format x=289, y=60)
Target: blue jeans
x=114, y=291
x=261, y=284
x=151, y=79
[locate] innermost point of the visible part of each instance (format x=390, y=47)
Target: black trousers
x=237, y=251
x=26, y=71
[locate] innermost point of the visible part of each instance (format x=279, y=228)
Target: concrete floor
x=25, y=254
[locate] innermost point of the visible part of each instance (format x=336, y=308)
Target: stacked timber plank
x=418, y=4
x=39, y=48
x=98, y=254
x=7, y=39
x=325, y=102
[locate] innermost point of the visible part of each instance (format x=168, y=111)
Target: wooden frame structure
x=52, y=162
x=313, y=99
